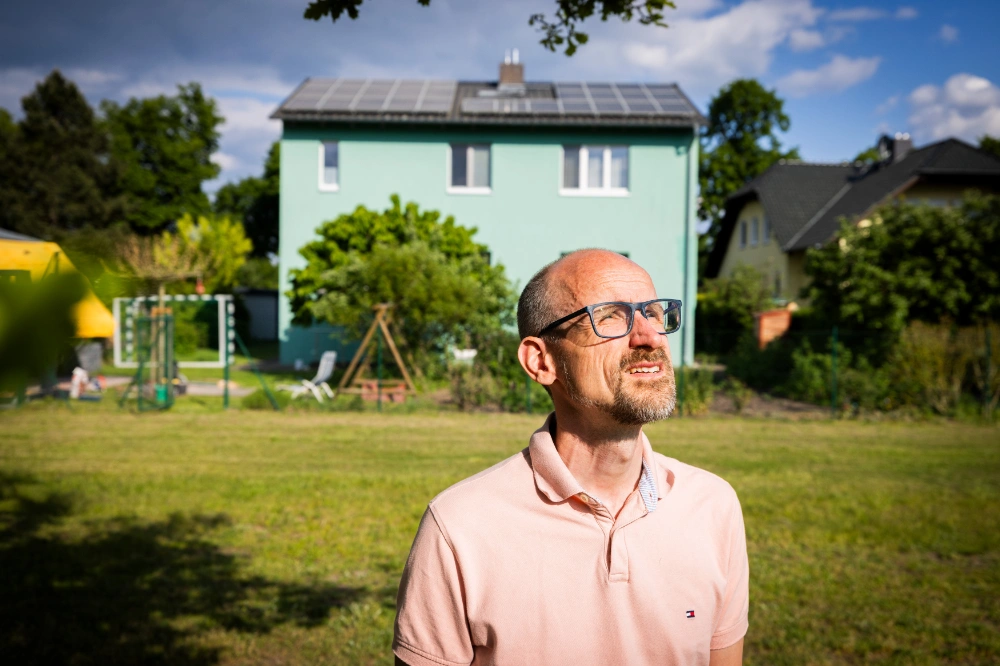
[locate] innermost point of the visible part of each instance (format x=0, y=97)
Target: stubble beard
x=634, y=405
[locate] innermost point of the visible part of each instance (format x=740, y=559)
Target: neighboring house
x=793, y=206
x=539, y=168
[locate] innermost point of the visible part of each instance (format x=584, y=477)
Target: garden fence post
x=833, y=372
x=225, y=361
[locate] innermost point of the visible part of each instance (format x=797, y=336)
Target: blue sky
x=847, y=70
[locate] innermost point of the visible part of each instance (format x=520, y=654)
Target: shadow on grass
x=129, y=592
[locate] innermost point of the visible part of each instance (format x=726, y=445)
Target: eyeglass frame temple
x=589, y=309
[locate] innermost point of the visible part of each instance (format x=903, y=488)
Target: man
x=586, y=547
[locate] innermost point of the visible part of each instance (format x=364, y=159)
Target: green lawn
x=200, y=537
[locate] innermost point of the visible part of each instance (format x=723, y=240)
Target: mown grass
x=200, y=537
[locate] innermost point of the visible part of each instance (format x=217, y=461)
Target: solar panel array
x=368, y=96
x=601, y=99
x=371, y=95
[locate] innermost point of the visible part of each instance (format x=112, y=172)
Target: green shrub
x=695, y=390
x=472, y=386
x=739, y=392
x=259, y=400
x=726, y=308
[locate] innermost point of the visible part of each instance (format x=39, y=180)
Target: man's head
x=628, y=379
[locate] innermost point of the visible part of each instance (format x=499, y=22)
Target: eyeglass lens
x=613, y=319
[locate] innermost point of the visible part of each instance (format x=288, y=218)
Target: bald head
x=563, y=285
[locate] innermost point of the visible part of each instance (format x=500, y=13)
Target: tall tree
x=163, y=148
x=254, y=201
x=738, y=144
x=54, y=172
x=562, y=30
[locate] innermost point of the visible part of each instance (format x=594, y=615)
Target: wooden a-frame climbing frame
x=381, y=323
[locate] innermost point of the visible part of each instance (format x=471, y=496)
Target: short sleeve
x=431, y=627
x=734, y=614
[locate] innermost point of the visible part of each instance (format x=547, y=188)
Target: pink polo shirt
x=519, y=565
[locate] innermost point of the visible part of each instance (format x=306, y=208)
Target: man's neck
x=607, y=461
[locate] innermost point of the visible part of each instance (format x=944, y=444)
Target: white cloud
x=888, y=105
x=704, y=53
x=906, y=13
x=805, y=40
x=948, y=34
x=967, y=106
x=226, y=161
x=838, y=74
x=857, y=14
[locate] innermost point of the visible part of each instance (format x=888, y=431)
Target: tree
x=54, y=172
x=254, y=201
x=868, y=155
x=739, y=143
x=218, y=242
x=990, y=144
x=562, y=30
x=438, y=277
x=162, y=147
x=209, y=248
x=912, y=263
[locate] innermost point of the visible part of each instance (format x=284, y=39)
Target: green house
x=540, y=169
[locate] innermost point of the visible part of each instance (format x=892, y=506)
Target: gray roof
x=488, y=103
x=805, y=202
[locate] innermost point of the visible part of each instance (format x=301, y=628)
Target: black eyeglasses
x=614, y=319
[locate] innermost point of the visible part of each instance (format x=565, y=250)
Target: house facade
x=540, y=169
x=793, y=206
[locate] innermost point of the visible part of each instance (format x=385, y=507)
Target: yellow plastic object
x=40, y=258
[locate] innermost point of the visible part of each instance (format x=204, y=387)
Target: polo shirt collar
x=557, y=483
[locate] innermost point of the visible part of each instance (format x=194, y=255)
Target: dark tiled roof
x=946, y=158
x=805, y=202
x=790, y=192
x=487, y=103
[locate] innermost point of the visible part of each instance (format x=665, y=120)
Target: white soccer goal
x=127, y=310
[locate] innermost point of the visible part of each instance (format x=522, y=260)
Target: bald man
x=587, y=547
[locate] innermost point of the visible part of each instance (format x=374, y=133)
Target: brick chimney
x=511, y=71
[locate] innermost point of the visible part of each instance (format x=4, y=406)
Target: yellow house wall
x=766, y=256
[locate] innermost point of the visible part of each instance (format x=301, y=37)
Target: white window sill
x=577, y=192
x=324, y=187
x=469, y=190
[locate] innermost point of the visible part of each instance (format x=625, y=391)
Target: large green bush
x=726, y=308
x=441, y=282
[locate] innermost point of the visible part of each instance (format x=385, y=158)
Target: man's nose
x=644, y=334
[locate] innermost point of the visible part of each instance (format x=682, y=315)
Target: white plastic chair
x=317, y=383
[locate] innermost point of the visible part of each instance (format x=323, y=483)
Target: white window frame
x=585, y=190
x=469, y=165
x=323, y=185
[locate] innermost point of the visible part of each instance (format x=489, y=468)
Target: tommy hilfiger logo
x=690, y=614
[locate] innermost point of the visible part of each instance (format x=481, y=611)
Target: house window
x=767, y=229
x=470, y=168
x=754, y=231
x=329, y=166
x=601, y=170
x=743, y=234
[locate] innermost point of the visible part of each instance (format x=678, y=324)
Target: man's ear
x=537, y=360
